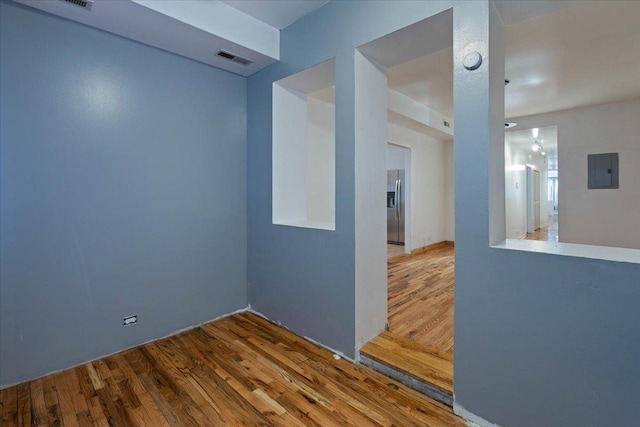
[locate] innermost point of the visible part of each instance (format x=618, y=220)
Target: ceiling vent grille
x=85, y=4
x=230, y=56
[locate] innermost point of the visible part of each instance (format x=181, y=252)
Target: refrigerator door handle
x=397, y=198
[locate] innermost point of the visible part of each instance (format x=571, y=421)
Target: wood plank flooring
x=546, y=234
x=394, y=251
x=420, y=298
x=238, y=371
x=428, y=365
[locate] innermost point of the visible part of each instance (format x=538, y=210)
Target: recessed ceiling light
x=510, y=125
x=544, y=153
x=535, y=132
x=537, y=146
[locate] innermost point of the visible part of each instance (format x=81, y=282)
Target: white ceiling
x=427, y=79
x=196, y=29
x=422, y=38
x=586, y=53
x=419, y=61
x=547, y=136
x=277, y=13
x=582, y=53
x=513, y=11
x=317, y=78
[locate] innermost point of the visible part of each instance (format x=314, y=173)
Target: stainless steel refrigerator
x=395, y=206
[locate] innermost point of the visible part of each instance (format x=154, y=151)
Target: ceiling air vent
x=85, y=4
x=229, y=56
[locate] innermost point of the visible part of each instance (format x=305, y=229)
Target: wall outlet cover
x=130, y=320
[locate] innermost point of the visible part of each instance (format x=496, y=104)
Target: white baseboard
x=472, y=419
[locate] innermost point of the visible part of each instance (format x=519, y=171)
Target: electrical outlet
x=130, y=320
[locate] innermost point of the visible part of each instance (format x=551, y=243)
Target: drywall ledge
x=572, y=249
x=320, y=225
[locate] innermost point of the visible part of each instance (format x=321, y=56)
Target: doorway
x=531, y=184
x=533, y=200
x=417, y=347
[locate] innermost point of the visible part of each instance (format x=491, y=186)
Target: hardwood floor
x=546, y=234
x=394, y=251
x=426, y=364
x=239, y=371
x=420, y=298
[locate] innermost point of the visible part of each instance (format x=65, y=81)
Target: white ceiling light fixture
x=535, y=132
x=537, y=146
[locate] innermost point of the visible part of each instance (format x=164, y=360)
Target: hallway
x=548, y=233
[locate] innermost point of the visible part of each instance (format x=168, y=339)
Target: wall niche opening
x=303, y=148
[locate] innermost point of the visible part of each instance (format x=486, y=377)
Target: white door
x=536, y=200
x=533, y=200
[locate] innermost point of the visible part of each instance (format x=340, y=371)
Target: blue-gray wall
x=118, y=163
x=302, y=277
x=123, y=191
x=540, y=340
